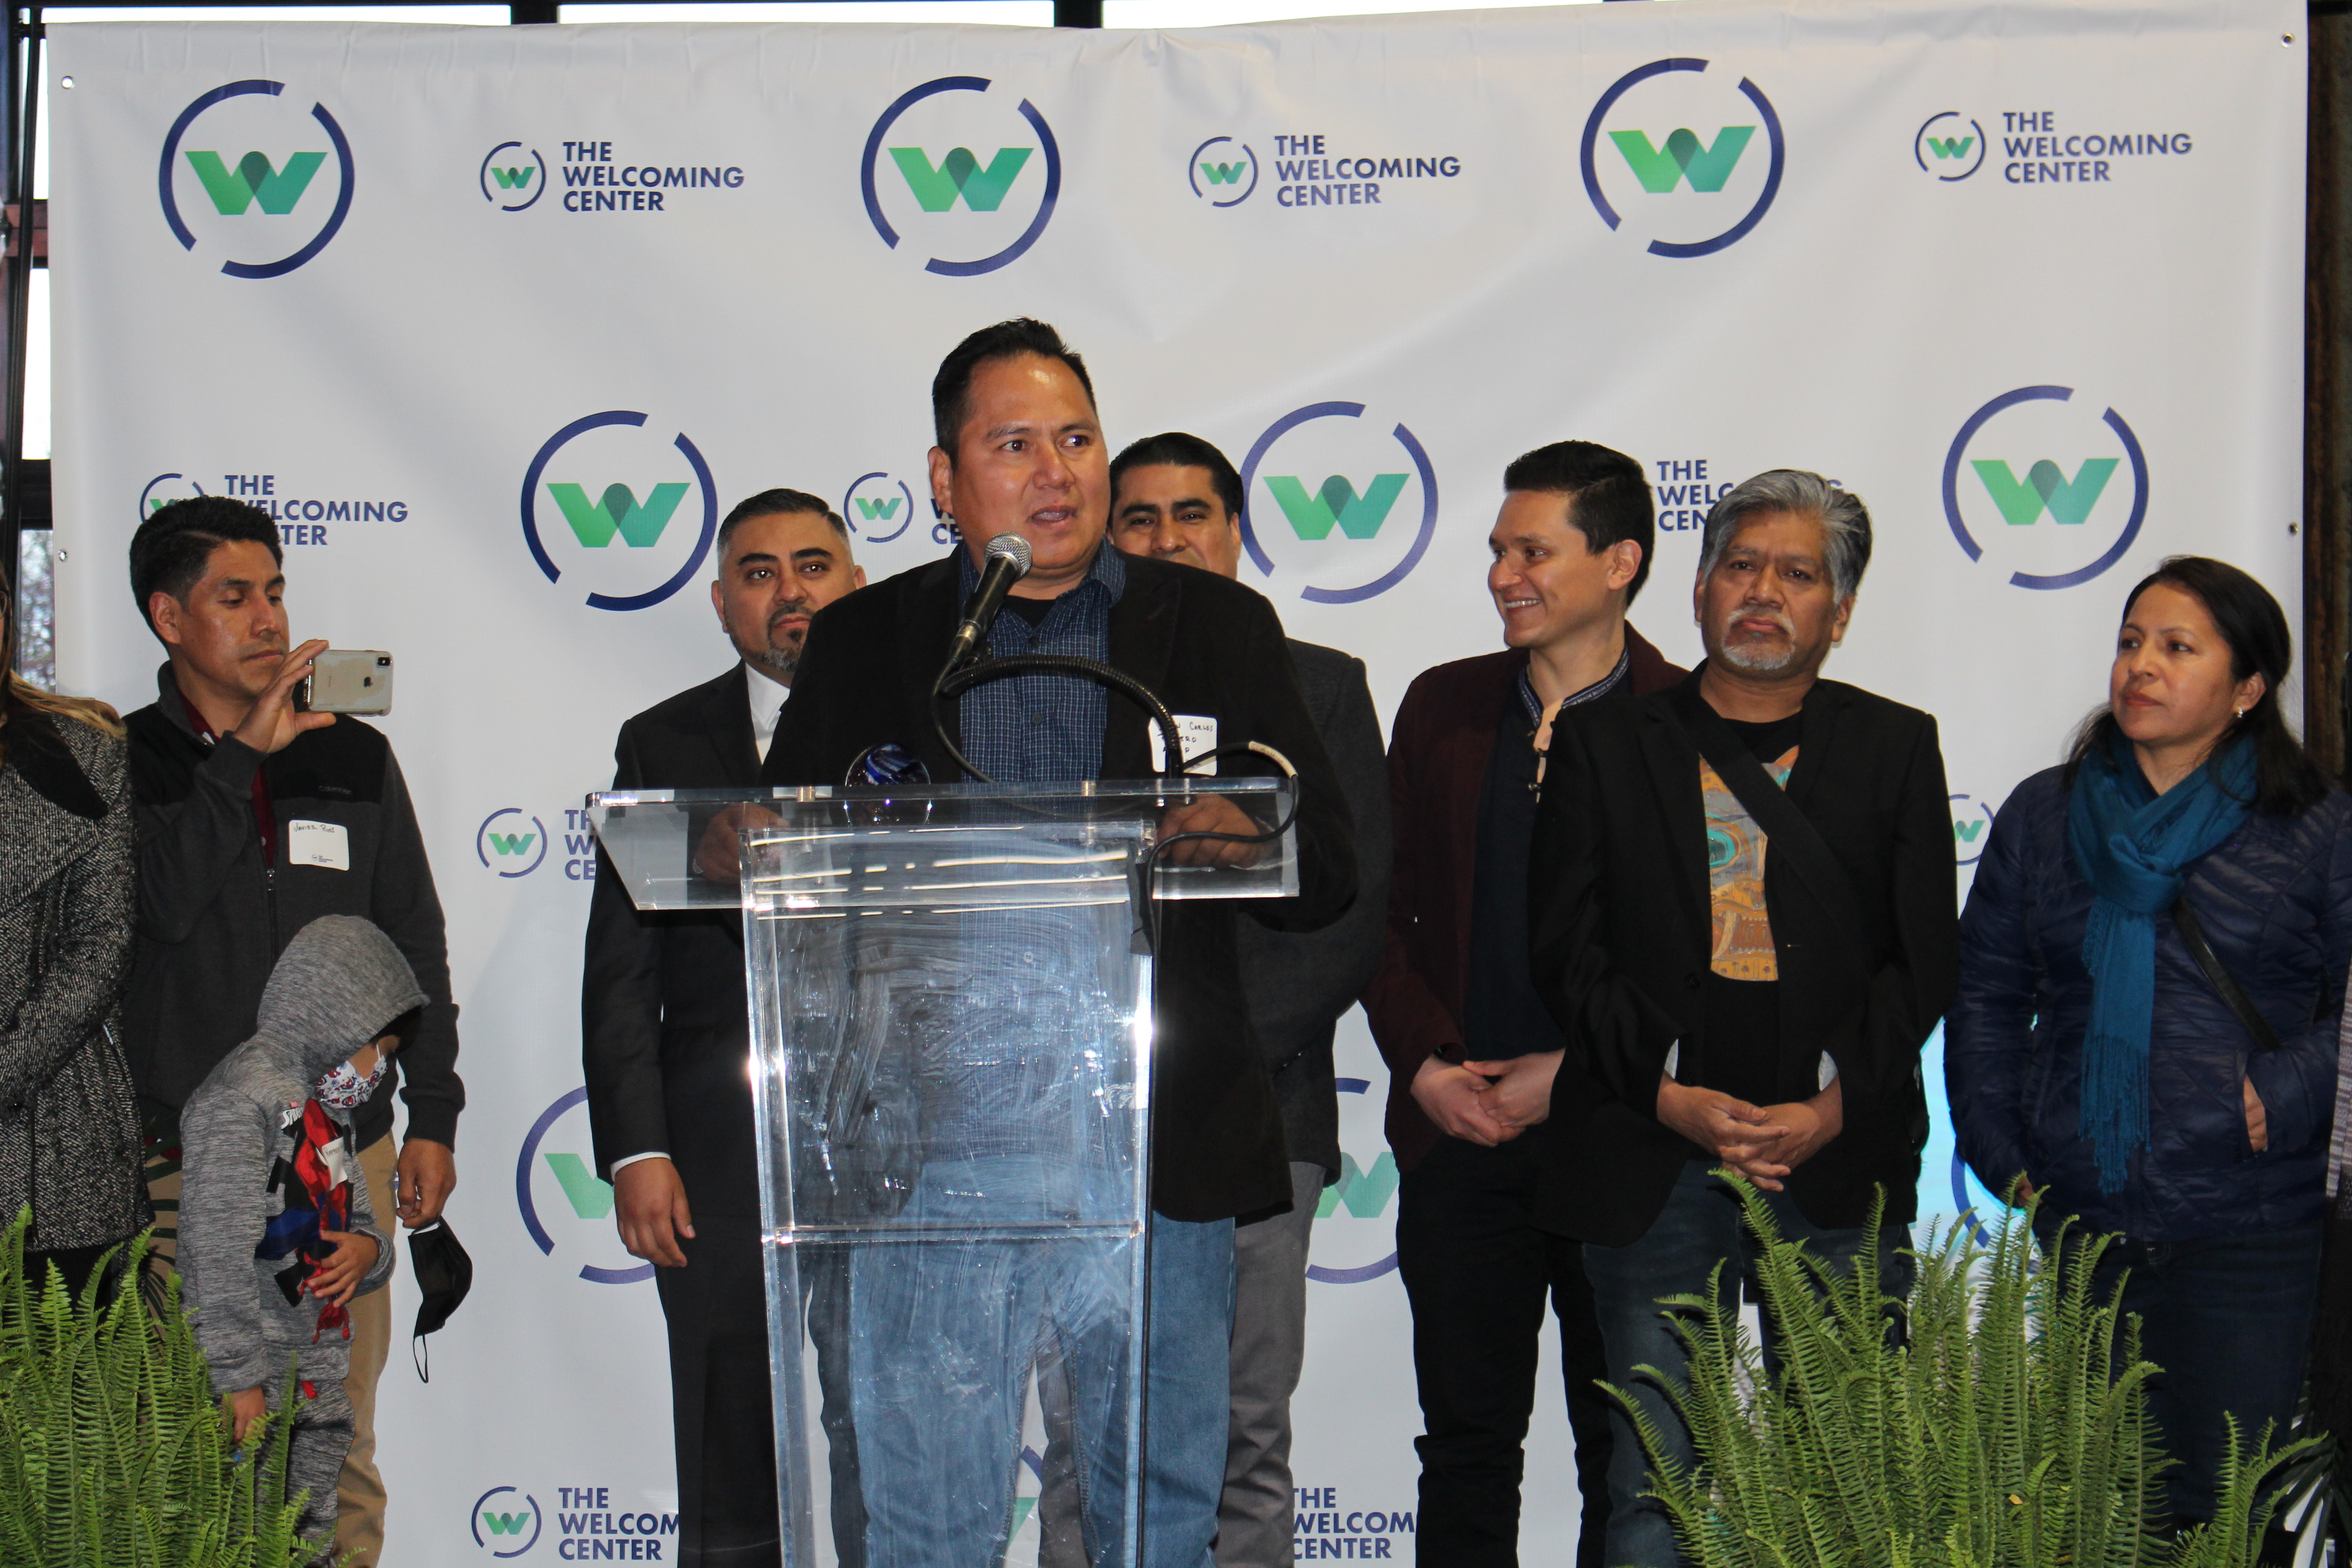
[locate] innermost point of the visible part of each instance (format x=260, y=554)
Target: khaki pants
x=359, y=1511
x=359, y=1496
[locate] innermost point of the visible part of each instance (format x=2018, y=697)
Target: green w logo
x=595, y=522
x=1358, y=517
x=1226, y=173
x=1966, y=832
x=884, y=509
x=1951, y=146
x=513, y=179
x=507, y=1523
x=959, y=173
x=2046, y=485
x=1661, y=169
x=511, y=843
x=591, y=1198
x=234, y=190
x=1366, y=1192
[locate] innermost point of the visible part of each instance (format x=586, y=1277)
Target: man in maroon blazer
x=1472, y=1050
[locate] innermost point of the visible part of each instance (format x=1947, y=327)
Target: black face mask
x=443, y=1275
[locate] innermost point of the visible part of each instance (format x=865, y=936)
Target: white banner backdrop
x=498, y=321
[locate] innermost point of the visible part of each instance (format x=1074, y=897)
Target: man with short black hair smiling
x=1472, y=1054
x=666, y=1032
x=1174, y=497
x=1021, y=451
x=255, y=818
x=1744, y=920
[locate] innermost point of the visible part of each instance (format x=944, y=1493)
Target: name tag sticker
x=325, y=844
x=1198, y=731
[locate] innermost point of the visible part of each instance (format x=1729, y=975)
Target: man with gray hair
x=1744, y=919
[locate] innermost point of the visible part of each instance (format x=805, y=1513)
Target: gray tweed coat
x=68, y=1129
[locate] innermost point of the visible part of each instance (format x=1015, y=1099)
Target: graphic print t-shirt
x=1742, y=949
x=1743, y=997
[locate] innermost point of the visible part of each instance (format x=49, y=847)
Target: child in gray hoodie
x=276, y=1232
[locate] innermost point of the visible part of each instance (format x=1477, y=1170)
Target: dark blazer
x=1439, y=750
x=665, y=1036
x=1298, y=983
x=1206, y=645
x=1623, y=932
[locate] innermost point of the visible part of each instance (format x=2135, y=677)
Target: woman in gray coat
x=69, y=1128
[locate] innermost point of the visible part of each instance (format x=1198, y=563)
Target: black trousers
x=721, y=1406
x=1478, y=1274
x=76, y=1264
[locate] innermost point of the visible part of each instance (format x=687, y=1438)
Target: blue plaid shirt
x=1043, y=728
x=1029, y=976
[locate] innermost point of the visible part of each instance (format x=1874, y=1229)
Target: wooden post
x=2327, y=519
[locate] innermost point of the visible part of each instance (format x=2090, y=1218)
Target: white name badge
x=326, y=844
x=1198, y=731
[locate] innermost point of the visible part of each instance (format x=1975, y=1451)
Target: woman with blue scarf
x=2089, y=1052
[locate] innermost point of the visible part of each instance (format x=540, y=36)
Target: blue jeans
x=2229, y=1320
x=1701, y=1226
x=947, y=1334
x=1191, y=1329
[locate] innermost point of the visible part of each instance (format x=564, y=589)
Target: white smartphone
x=347, y=680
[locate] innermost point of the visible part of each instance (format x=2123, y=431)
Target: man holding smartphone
x=254, y=819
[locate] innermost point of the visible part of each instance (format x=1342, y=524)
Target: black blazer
x=1622, y=934
x=1300, y=984
x=1206, y=645
x=664, y=1035
x=1442, y=744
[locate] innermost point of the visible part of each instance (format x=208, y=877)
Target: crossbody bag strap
x=2184, y=918
x=1791, y=831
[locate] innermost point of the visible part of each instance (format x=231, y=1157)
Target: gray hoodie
x=338, y=983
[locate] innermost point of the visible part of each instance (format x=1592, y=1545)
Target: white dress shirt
x=768, y=696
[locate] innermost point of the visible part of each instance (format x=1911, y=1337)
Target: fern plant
x=112, y=1450
x=2007, y=1427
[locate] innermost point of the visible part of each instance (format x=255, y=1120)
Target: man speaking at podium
x=1021, y=451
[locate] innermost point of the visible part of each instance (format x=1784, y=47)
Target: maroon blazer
x=1439, y=748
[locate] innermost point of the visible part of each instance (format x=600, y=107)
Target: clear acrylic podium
x=952, y=1035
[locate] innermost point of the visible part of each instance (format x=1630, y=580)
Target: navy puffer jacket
x=2277, y=904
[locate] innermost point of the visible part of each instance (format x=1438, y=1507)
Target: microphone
x=888, y=763
x=1008, y=562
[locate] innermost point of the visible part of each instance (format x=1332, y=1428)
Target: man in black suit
x=1021, y=451
x=1744, y=919
x=1174, y=497
x=665, y=1040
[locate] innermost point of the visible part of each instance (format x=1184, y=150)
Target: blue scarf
x=2132, y=846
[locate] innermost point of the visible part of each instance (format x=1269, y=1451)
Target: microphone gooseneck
x=1007, y=562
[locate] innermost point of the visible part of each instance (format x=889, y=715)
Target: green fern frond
x=113, y=1453
x=1998, y=1418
